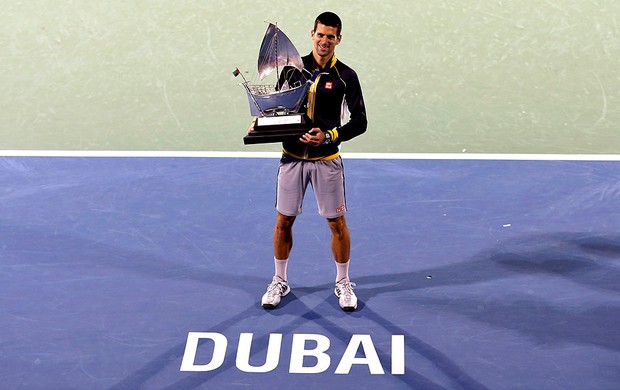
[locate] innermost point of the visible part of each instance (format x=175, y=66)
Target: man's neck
x=321, y=62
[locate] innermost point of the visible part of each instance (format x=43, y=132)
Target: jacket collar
x=312, y=65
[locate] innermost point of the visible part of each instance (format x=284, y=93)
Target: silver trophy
x=276, y=110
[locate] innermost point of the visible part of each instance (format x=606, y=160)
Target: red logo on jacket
x=328, y=85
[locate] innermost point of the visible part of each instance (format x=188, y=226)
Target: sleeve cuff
x=333, y=134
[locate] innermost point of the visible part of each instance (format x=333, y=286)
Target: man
x=336, y=110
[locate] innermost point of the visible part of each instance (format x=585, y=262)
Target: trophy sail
x=276, y=51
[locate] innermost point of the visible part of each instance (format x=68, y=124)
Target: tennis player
x=336, y=110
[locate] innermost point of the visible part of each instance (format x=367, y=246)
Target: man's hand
x=251, y=128
x=314, y=137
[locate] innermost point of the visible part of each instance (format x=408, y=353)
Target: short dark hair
x=329, y=19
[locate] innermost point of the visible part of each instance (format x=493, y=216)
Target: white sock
x=281, y=268
x=342, y=271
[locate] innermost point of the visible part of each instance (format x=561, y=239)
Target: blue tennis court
x=146, y=273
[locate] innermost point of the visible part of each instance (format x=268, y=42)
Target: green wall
x=438, y=76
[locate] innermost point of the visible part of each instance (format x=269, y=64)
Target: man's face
x=324, y=40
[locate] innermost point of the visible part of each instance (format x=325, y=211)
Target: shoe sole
x=270, y=306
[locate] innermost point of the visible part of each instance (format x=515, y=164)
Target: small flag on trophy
x=236, y=72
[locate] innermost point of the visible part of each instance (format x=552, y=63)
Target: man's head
x=326, y=34
x=329, y=19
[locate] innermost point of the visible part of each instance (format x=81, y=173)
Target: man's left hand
x=314, y=137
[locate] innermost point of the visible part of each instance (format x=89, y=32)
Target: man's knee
x=338, y=225
x=284, y=223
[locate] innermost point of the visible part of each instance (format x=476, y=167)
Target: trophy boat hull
x=270, y=103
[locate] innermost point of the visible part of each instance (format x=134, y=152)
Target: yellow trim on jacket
x=325, y=158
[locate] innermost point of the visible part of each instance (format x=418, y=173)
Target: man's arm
x=357, y=123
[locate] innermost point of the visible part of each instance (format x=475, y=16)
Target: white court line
x=381, y=156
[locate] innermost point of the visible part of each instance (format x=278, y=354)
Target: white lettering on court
x=309, y=354
x=299, y=352
x=191, y=347
x=273, y=353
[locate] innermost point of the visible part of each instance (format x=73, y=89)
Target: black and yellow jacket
x=334, y=104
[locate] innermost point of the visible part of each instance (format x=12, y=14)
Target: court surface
x=471, y=274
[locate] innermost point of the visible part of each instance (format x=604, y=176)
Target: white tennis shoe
x=275, y=291
x=346, y=297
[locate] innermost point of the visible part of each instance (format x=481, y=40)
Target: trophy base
x=277, y=129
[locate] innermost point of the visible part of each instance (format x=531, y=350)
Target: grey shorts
x=326, y=178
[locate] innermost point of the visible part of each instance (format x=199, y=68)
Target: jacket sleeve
x=353, y=111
